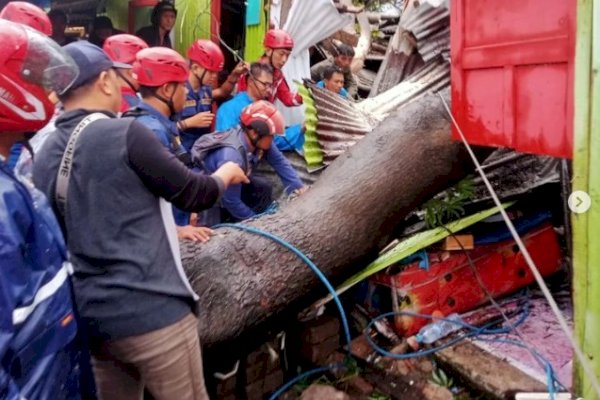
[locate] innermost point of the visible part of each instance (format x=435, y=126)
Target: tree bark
x=247, y=283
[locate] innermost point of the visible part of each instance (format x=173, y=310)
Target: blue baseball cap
x=91, y=60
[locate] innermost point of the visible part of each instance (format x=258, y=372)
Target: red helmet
x=123, y=47
x=27, y=14
x=278, y=39
x=207, y=54
x=31, y=65
x=264, y=118
x=156, y=66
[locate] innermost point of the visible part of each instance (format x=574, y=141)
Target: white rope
x=587, y=368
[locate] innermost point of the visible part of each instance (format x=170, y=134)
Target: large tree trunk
x=247, y=282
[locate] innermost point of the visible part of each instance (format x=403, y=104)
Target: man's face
x=343, y=62
x=336, y=83
x=167, y=20
x=264, y=143
x=279, y=57
x=179, y=96
x=210, y=78
x=262, y=85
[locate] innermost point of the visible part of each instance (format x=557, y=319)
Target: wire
x=513, y=328
x=303, y=375
x=215, y=22
x=536, y=273
x=474, y=333
x=473, y=330
x=323, y=279
x=307, y=261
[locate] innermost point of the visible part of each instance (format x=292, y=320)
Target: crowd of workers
x=128, y=150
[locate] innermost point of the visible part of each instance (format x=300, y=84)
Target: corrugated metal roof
x=433, y=76
x=342, y=123
x=422, y=35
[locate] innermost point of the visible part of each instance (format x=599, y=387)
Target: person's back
x=35, y=295
x=246, y=145
x=113, y=192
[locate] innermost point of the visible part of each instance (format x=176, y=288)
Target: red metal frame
x=512, y=73
x=133, y=4
x=450, y=285
x=215, y=21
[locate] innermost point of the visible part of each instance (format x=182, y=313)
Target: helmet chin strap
x=169, y=103
x=122, y=76
x=200, y=78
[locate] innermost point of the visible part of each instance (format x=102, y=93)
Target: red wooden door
x=512, y=73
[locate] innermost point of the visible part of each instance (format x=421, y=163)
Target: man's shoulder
x=321, y=65
x=145, y=30
x=238, y=101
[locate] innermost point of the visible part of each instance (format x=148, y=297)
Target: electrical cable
x=474, y=331
x=307, y=261
x=513, y=328
x=538, y=277
x=216, y=23
x=323, y=279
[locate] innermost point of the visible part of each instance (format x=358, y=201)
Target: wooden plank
x=486, y=372
x=583, y=229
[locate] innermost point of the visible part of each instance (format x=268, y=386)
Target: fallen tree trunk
x=247, y=282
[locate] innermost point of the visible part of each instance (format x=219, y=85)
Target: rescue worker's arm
x=191, y=119
x=288, y=175
x=316, y=71
x=286, y=96
x=194, y=233
x=14, y=272
x=167, y=177
x=200, y=120
x=227, y=87
x=351, y=85
x=232, y=198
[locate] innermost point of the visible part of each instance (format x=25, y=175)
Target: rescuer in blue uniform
x=206, y=61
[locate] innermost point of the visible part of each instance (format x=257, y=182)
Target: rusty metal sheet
x=422, y=35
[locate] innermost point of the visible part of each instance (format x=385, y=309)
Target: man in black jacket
x=162, y=21
x=110, y=181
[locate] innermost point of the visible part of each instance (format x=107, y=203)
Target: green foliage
x=374, y=5
x=448, y=207
x=378, y=396
x=439, y=377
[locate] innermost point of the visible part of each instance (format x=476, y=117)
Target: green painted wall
x=586, y=177
x=253, y=48
x=193, y=22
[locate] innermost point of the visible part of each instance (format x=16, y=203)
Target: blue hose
x=308, y=262
x=473, y=331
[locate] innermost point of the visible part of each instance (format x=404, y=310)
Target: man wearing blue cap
x=110, y=181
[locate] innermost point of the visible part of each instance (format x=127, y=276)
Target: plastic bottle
x=440, y=329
